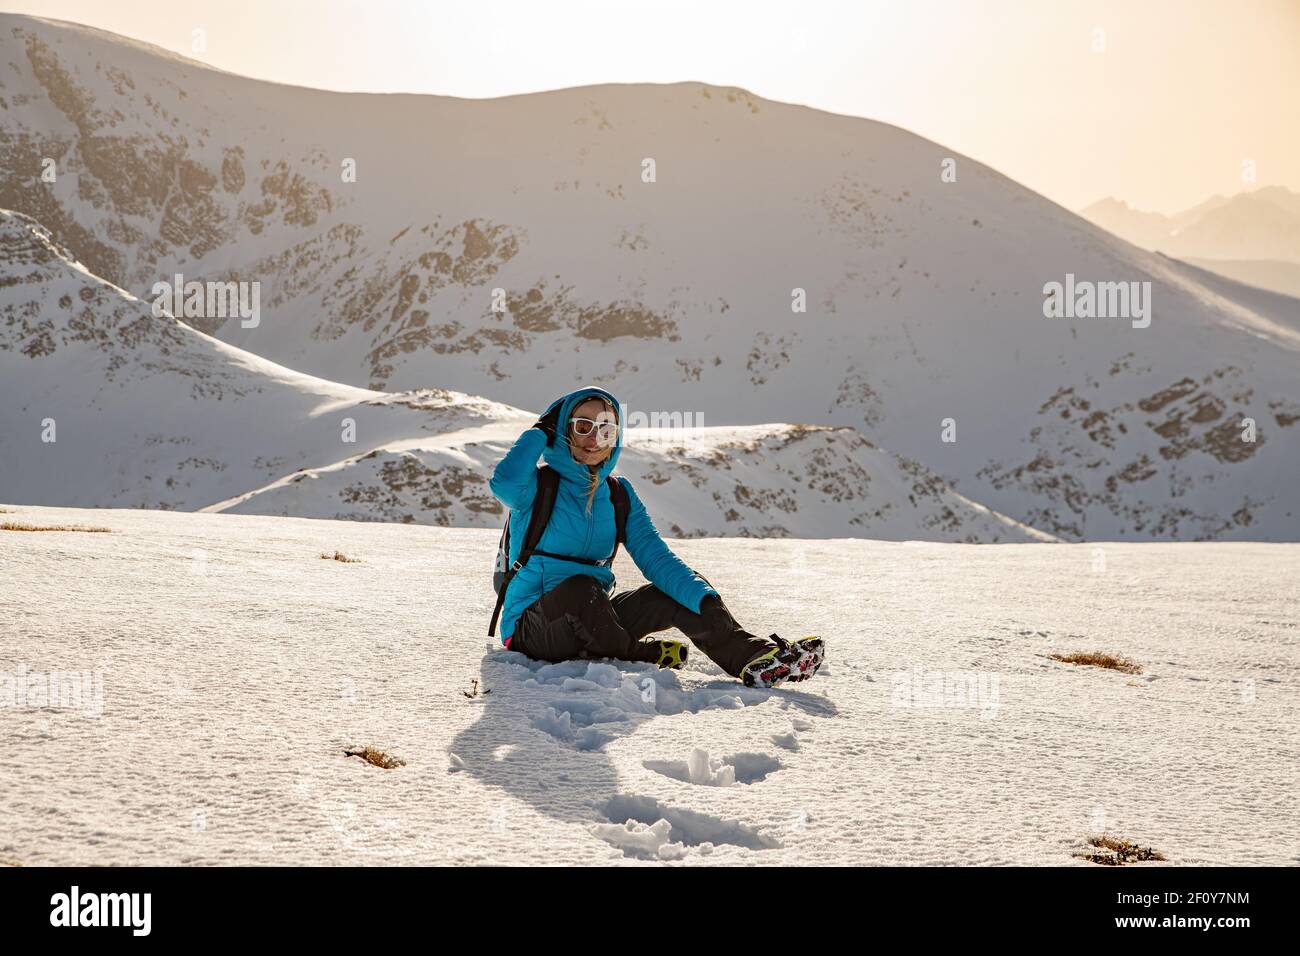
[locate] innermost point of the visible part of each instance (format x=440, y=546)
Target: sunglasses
x=585, y=426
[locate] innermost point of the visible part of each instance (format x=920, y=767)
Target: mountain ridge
x=923, y=298
x=107, y=403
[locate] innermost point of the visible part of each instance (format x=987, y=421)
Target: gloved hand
x=549, y=422
x=716, y=615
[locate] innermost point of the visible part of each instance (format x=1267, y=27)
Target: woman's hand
x=549, y=422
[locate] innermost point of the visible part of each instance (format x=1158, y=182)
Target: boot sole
x=685, y=652
x=800, y=662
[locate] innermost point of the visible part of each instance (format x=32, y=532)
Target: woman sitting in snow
x=557, y=609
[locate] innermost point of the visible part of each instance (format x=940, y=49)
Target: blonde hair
x=593, y=471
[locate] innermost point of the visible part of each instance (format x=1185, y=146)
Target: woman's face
x=597, y=445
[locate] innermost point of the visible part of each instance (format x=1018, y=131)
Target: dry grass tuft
x=1112, y=851
x=375, y=756
x=340, y=556
x=1098, y=659
x=16, y=526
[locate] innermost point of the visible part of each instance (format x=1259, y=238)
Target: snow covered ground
x=237, y=665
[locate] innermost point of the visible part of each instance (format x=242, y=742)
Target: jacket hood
x=558, y=455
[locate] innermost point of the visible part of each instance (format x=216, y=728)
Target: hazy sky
x=1164, y=116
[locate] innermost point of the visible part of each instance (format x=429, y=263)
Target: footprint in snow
x=644, y=828
x=703, y=770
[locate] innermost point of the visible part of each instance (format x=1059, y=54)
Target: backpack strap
x=622, y=505
x=548, y=481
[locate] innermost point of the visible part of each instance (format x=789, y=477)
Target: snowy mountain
x=1260, y=225
x=757, y=481
x=102, y=402
x=507, y=247
x=1150, y=230
x=1253, y=237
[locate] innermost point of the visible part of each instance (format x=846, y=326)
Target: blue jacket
x=571, y=530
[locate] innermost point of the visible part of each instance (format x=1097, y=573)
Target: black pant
x=577, y=619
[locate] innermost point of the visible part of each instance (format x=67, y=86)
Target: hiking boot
x=672, y=654
x=785, y=662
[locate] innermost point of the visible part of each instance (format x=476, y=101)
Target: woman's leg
x=575, y=619
x=647, y=609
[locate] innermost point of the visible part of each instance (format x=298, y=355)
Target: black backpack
x=548, y=480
